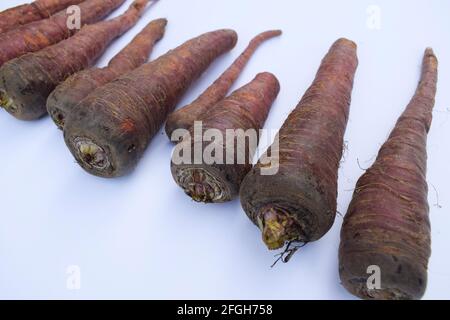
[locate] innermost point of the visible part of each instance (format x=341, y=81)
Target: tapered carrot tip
x=429, y=54
x=140, y=4
x=347, y=42
x=275, y=33
x=185, y=117
x=277, y=227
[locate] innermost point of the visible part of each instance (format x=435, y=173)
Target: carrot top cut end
x=202, y=185
x=277, y=226
x=91, y=154
x=8, y=104
x=5, y=101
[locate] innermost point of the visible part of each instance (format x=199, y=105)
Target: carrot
x=387, y=224
x=109, y=130
x=40, y=34
x=244, y=112
x=69, y=93
x=27, y=81
x=26, y=13
x=185, y=117
x=298, y=201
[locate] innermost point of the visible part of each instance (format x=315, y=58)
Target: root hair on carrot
x=286, y=255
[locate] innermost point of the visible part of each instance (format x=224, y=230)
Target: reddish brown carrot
x=109, y=130
x=69, y=93
x=40, y=34
x=244, y=112
x=298, y=201
x=184, y=118
x=387, y=223
x=26, y=13
x=26, y=82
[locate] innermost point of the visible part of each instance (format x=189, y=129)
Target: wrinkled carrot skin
x=78, y=86
x=247, y=108
x=26, y=82
x=387, y=223
x=185, y=117
x=40, y=34
x=26, y=13
x=109, y=130
x=299, y=201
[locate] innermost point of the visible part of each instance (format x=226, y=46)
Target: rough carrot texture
x=246, y=109
x=109, y=130
x=26, y=82
x=299, y=202
x=185, y=117
x=387, y=223
x=40, y=34
x=69, y=93
x=26, y=13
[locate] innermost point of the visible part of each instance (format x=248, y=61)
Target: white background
x=141, y=237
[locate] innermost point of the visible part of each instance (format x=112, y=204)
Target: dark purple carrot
x=298, y=201
x=27, y=81
x=244, y=112
x=110, y=129
x=387, y=224
x=40, y=34
x=26, y=13
x=78, y=86
x=184, y=118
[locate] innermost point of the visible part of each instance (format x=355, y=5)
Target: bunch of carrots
x=109, y=116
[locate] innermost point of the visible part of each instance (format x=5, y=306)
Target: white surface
x=141, y=237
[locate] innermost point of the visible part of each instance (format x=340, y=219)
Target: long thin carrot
x=185, y=117
x=26, y=82
x=298, y=201
x=244, y=112
x=26, y=13
x=109, y=130
x=40, y=34
x=69, y=93
x=387, y=224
